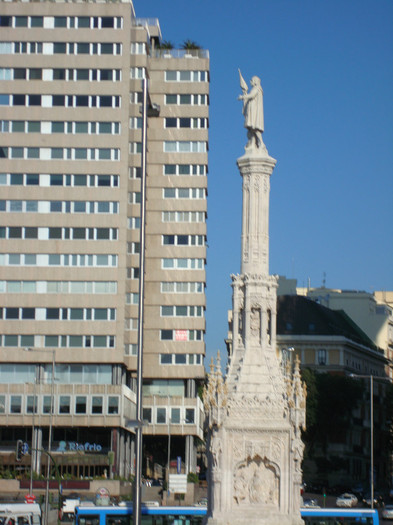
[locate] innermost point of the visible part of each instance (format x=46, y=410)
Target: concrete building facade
x=70, y=97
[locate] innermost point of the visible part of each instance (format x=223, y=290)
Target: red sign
x=30, y=498
x=181, y=335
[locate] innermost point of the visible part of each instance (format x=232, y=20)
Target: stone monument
x=256, y=413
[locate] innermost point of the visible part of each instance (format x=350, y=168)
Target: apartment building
x=70, y=190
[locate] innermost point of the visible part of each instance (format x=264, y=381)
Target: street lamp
x=49, y=448
x=371, y=378
x=152, y=110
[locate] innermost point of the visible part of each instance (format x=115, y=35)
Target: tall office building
x=70, y=188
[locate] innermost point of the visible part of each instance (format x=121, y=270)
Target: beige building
x=70, y=97
x=373, y=312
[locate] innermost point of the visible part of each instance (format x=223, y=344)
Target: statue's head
x=256, y=81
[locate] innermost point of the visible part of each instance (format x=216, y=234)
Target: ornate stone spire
x=255, y=415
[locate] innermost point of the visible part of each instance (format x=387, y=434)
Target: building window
x=32, y=405
x=322, y=357
x=190, y=416
x=96, y=405
x=80, y=405
x=16, y=405
x=64, y=405
x=147, y=415
x=113, y=405
x=161, y=415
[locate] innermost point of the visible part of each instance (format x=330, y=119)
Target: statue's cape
x=253, y=110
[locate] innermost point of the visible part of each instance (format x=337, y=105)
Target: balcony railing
x=180, y=53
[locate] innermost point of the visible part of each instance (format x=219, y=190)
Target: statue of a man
x=253, y=111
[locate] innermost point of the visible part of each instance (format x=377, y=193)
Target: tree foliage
x=330, y=402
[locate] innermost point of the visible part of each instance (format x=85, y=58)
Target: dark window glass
x=18, y=126
x=169, y=239
x=60, y=21
x=56, y=180
x=21, y=21
x=59, y=48
x=79, y=180
x=12, y=313
x=19, y=100
x=3, y=153
x=35, y=73
x=184, y=169
x=107, y=21
x=19, y=73
x=79, y=233
x=171, y=122
x=166, y=335
x=106, y=49
x=185, y=122
x=185, y=99
x=58, y=100
x=55, y=206
x=37, y=21
x=34, y=100
x=106, y=74
x=14, y=232
x=32, y=179
x=59, y=74
x=170, y=169
x=182, y=240
x=31, y=233
x=102, y=233
x=83, y=21
x=82, y=74
x=96, y=405
x=5, y=21
x=54, y=233
x=28, y=313
x=81, y=100
x=16, y=179
x=104, y=180
x=106, y=101
x=83, y=48
x=80, y=405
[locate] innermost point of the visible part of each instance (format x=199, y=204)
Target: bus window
x=117, y=520
x=89, y=520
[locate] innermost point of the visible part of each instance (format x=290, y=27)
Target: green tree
x=190, y=44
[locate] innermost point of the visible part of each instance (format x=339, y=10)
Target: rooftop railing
x=180, y=53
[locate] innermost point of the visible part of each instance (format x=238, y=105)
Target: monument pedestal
x=255, y=415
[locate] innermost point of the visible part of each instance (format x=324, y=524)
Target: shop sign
x=74, y=446
x=102, y=496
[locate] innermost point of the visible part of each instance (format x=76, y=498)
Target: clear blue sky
x=327, y=75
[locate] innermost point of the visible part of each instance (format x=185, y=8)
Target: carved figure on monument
x=216, y=450
x=253, y=111
x=255, y=322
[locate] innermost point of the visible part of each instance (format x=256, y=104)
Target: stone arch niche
x=256, y=481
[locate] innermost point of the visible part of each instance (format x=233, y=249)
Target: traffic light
x=19, y=450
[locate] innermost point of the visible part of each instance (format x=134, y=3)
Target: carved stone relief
x=256, y=481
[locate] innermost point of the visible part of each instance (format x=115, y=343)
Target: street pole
x=169, y=451
x=139, y=370
x=33, y=444
x=50, y=438
x=372, y=440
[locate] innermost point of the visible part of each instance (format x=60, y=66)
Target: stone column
x=255, y=169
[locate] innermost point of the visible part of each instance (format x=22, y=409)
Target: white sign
x=178, y=483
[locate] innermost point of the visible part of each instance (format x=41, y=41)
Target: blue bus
x=122, y=515
x=339, y=516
